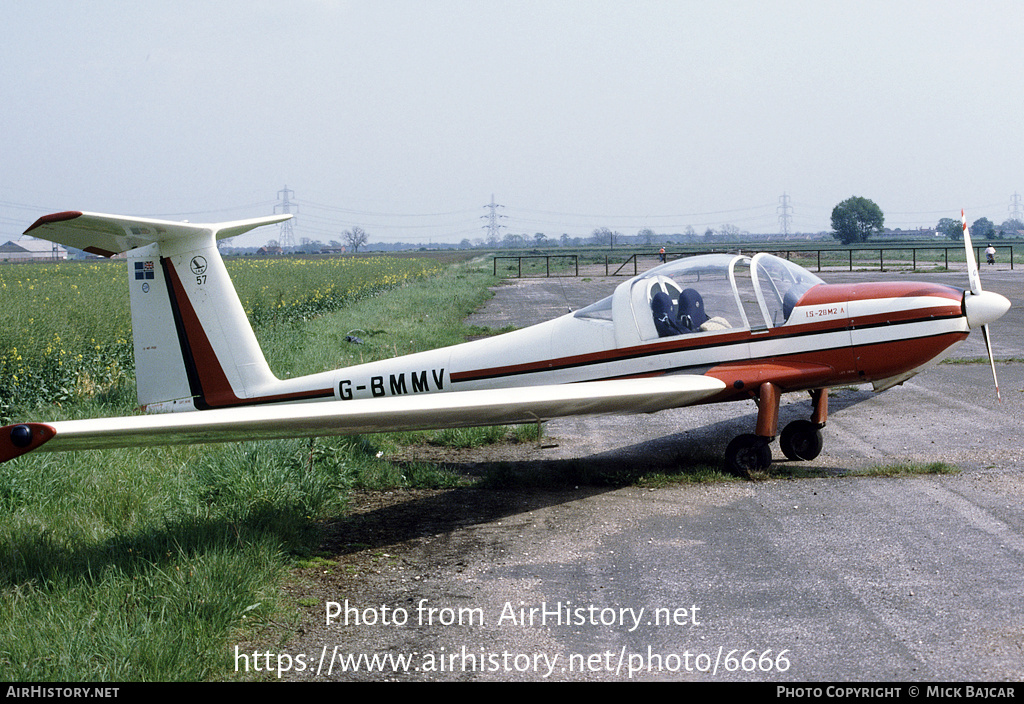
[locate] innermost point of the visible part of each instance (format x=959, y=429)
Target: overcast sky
x=404, y=116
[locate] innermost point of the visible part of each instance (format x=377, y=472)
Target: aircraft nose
x=984, y=307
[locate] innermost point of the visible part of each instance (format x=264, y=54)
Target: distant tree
x=355, y=238
x=1011, y=226
x=953, y=229
x=856, y=219
x=602, y=235
x=646, y=235
x=513, y=241
x=983, y=229
x=540, y=239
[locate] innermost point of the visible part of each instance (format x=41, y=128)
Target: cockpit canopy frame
x=703, y=295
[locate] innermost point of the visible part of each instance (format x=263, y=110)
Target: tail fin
x=194, y=346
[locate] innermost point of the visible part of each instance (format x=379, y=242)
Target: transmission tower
x=287, y=238
x=493, y=227
x=784, y=216
x=1016, y=211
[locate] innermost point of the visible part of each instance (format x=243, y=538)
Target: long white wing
x=439, y=410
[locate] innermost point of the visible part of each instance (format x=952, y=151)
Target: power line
x=349, y=211
x=647, y=216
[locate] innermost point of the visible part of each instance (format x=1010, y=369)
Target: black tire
x=747, y=453
x=801, y=440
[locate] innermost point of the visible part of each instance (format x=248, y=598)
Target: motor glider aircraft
x=702, y=329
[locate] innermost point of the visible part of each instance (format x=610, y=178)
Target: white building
x=32, y=250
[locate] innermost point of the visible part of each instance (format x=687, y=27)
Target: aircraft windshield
x=780, y=284
x=602, y=310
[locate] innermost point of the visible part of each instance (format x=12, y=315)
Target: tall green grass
x=65, y=328
x=150, y=564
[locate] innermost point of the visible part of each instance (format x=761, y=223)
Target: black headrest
x=691, y=309
x=664, y=322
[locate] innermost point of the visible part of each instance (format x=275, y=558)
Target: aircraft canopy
x=703, y=295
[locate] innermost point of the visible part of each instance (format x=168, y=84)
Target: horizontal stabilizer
x=420, y=412
x=107, y=235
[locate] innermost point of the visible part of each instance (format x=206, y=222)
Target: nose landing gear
x=801, y=440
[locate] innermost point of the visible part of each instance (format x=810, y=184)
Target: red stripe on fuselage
x=821, y=295
x=604, y=356
x=682, y=344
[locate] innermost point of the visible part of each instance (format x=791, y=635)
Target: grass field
x=145, y=564
x=65, y=328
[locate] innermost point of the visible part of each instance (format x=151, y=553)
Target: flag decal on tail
x=144, y=270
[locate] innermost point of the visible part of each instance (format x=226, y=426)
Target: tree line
x=856, y=219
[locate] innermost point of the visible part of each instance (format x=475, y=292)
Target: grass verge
x=145, y=565
x=906, y=470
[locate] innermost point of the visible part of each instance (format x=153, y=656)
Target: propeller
x=981, y=307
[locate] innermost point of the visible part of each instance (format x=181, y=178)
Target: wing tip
x=52, y=218
x=21, y=438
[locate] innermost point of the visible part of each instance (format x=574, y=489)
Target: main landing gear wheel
x=747, y=453
x=801, y=440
